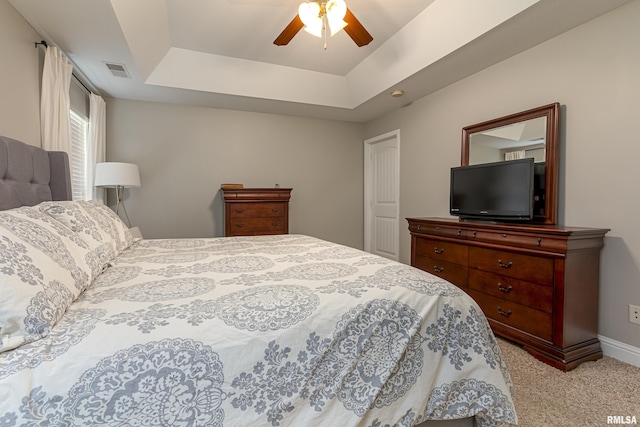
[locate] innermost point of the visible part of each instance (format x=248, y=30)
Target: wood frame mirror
x=532, y=133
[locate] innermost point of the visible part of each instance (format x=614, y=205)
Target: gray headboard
x=30, y=175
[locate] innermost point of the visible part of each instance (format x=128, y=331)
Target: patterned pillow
x=44, y=266
x=96, y=224
x=111, y=224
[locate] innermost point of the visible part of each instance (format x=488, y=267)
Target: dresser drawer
x=507, y=288
x=526, y=319
x=251, y=210
x=445, y=251
x=526, y=240
x=437, y=230
x=256, y=211
x=254, y=226
x=454, y=273
x=526, y=267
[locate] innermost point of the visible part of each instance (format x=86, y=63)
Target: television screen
x=501, y=190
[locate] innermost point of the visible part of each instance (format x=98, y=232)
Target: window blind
x=79, y=143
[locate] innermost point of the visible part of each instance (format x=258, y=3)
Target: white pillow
x=96, y=224
x=44, y=266
x=110, y=224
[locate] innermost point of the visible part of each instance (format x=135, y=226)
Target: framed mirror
x=531, y=133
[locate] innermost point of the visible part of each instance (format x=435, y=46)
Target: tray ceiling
x=220, y=53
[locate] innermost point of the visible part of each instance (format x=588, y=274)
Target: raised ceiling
x=219, y=53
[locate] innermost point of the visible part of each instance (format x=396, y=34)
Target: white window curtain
x=97, y=143
x=54, y=102
x=515, y=155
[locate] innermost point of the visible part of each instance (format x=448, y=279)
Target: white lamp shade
x=309, y=13
x=336, y=11
x=115, y=174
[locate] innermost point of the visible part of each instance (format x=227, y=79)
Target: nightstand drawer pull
x=503, y=289
x=504, y=313
x=503, y=265
x=438, y=269
x=438, y=250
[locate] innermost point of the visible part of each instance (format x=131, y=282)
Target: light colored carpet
x=545, y=396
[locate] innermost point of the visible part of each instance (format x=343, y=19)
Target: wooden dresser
x=256, y=211
x=537, y=285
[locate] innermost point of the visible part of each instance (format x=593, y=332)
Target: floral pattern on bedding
x=95, y=223
x=274, y=331
x=43, y=268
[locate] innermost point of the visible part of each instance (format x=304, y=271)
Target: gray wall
x=594, y=72
x=185, y=153
x=19, y=77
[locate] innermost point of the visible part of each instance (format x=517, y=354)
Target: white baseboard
x=619, y=350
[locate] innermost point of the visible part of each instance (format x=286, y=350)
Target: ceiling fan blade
x=355, y=30
x=289, y=32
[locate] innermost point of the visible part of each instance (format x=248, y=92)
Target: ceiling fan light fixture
x=309, y=13
x=314, y=28
x=336, y=10
x=336, y=25
x=314, y=13
x=324, y=18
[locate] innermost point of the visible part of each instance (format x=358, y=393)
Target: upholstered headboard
x=30, y=175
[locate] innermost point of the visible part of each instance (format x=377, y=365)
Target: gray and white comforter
x=282, y=330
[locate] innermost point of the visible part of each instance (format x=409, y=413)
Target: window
x=80, y=141
x=79, y=162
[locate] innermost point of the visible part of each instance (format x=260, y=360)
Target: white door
x=381, y=198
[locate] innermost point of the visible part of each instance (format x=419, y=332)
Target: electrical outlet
x=634, y=314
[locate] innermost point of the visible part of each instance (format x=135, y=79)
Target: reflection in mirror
x=516, y=141
x=532, y=133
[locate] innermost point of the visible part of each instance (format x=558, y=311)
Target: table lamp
x=119, y=176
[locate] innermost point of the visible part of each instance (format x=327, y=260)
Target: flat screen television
x=493, y=191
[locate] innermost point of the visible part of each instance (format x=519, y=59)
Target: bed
x=98, y=328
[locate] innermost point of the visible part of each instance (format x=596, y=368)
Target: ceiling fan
x=315, y=15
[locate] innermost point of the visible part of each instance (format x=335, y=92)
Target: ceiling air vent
x=117, y=70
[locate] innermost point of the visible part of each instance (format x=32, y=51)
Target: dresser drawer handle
x=239, y=210
x=503, y=289
x=274, y=210
x=275, y=223
x=239, y=225
x=503, y=265
x=504, y=313
x=438, y=250
x=438, y=269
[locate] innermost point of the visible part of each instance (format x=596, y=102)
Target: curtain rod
x=45, y=44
